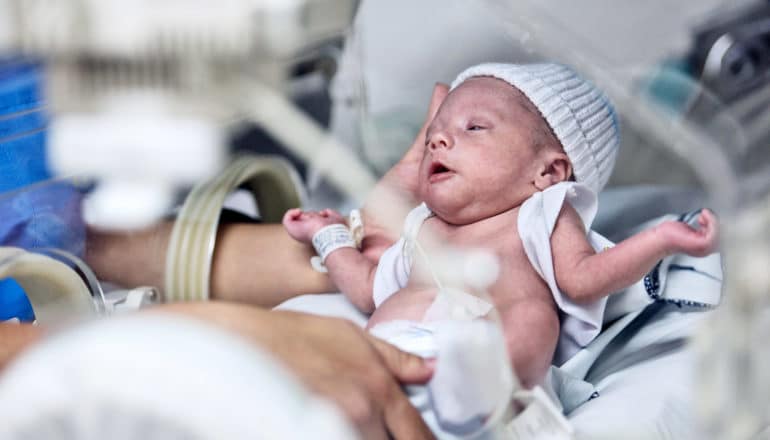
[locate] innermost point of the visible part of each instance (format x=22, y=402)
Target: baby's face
x=480, y=157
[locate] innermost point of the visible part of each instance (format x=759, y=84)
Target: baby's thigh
x=409, y=303
x=531, y=330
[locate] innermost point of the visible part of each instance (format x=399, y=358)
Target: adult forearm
x=254, y=263
x=262, y=265
x=15, y=338
x=129, y=258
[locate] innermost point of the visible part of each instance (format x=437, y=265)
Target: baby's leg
x=408, y=303
x=531, y=330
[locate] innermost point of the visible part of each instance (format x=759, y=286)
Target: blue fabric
x=20, y=85
x=43, y=215
x=14, y=303
x=36, y=212
x=22, y=161
x=22, y=122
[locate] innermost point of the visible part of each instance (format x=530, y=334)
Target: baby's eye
x=474, y=127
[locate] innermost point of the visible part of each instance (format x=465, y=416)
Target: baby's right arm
x=349, y=270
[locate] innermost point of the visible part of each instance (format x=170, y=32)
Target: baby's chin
x=449, y=211
x=447, y=200
x=437, y=207
x=438, y=200
x=457, y=211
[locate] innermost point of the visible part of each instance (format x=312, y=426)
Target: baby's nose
x=439, y=140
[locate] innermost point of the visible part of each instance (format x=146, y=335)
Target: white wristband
x=330, y=238
x=356, y=224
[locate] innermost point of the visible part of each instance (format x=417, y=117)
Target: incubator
x=144, y=97
x=135, y=86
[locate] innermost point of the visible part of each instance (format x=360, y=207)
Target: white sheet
x=649, y=399
x=646, y=388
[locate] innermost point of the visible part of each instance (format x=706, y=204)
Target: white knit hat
x=579, y=114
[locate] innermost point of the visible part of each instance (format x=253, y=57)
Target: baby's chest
x=517, y=278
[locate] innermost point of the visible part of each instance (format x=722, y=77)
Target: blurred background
x=112, y=111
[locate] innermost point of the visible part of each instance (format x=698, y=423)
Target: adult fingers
x=357, y=403
x=403, y=421
x=405, y=367
x=440, y=90
x=403, y=175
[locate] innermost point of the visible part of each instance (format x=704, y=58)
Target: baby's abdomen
x=409, y=303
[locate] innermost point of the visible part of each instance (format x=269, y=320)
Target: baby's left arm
x=584, y=275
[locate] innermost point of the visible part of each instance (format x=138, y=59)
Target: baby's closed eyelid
x=478, y=122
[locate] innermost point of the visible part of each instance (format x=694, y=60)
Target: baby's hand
x=683, y=238
x=302, y=225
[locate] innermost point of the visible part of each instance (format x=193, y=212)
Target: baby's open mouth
x=438, y=168
x=438, y=171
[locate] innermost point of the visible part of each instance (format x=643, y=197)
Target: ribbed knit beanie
x=580, y=115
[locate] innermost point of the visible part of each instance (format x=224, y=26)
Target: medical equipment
x=731, y=55
x=136, y=88
x=142, y=91
x=733, y=345
x=272, y=184
x=62, y=288
x=22, y=148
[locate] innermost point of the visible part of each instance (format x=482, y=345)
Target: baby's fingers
x=292, y=214
x=336, y=216
x=707, y=219
x=710, y=228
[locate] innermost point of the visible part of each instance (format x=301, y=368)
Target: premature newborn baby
x=508, y=146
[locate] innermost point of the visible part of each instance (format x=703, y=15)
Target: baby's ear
x=554, y=167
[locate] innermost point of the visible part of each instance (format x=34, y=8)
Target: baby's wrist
x=666, y=233
x=330, y=238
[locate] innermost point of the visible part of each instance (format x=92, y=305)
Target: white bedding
x=649, y=399
x=647, y=389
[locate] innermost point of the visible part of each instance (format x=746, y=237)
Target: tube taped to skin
x=481, y=269
x=470, y=349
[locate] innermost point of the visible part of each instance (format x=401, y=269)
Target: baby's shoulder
x=569, y=217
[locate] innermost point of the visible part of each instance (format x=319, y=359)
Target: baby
x=508, y=146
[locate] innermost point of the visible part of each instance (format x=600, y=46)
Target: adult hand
x=335, y=359
x=15, y=338
x=396, y=193
x=261, y=264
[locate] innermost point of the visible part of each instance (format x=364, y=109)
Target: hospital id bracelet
x=356, y=224
x=330, y=238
